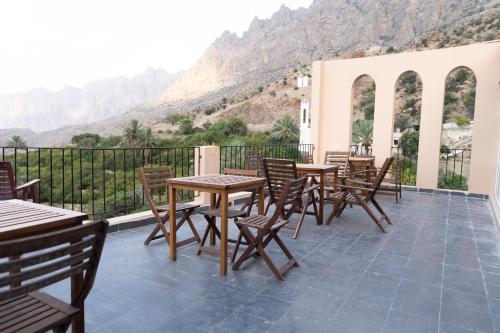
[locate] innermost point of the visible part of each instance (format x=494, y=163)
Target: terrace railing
x=453, y=166
x=103, y=182
x=234, y=156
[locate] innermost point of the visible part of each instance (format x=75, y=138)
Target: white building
x=305, y=122
x=302, y=81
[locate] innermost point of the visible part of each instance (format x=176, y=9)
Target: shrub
x=209, y=111
x=260, y=89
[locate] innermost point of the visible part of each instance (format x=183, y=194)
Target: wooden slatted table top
x=20, y=218
x=316, y=167
x=222, y=182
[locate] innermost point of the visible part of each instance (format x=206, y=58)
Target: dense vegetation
x=101, y=174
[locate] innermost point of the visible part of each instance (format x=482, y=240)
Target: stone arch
x=363, y=91
x=457, y=128
x=408, y=89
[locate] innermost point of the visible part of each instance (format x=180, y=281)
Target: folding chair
x=356, y=192
x=278, y=172
x=43, y=260
x=253, y=161
x=392, y=180
x=156, y=179
x=212, y=214
x=8, y=188
x=268, y=227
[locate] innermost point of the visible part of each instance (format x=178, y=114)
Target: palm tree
x=285, y=131
x=17, y=142
x=362, y=133
x=148, y=142
x=133, y=133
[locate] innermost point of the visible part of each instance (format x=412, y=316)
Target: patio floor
x=436, y=270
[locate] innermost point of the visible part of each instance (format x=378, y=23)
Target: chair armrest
x=347, y=187
x=27, y=185
x=357, y=182
x=311, y=188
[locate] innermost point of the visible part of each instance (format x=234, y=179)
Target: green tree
x=402, y=122
x=148, y=141
x=235, y=125
x=409, y=143
x=186, y=127
x=285, y=131
x=133, y=133
x=86, y=140
x=16, y=142
x=367, y=102
x=362, y=133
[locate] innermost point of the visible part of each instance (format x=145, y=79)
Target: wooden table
x=214, y=184
x=20, y=219
x=360, y=163
x=318, y=170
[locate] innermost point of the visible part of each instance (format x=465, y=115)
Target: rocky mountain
x=291, y=37
x=40, y=109
x=271, y=51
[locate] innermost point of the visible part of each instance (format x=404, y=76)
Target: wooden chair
x=253, y=161
x=268, y=228
x=212, y=214
x=155, y=179
x=43, y=260
x=308, y=159
x=361, y=193
x=8, y=188
x=339, y=159
x=392, y=180
x=278, y=172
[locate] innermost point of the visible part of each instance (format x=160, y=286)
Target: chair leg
x=299, y=224
x=268, y=261
x=193, y=229
x=284, y=249
x=269, y=203
x=381, y=211
x=248, y=251
x=152, y=235
x=210, y=226
x=368, y=211
x=315, y=208
x=237, y=247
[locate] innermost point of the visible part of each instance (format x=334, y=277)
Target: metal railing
x=234, y=156
x=359, y=150
x=453, y=166
x=103, y=182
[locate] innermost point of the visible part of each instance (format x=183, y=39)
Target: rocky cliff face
x=40, y=109
x=271, y=47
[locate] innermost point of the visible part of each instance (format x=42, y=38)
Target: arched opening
x=456, y=130
x=406, y=130
x=363, y=111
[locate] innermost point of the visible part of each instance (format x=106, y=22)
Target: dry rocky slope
x=234, y=67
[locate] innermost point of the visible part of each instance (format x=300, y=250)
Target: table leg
x=260, y=204
x=212, y=206
x=223, y=233
x=172, y=222
x=321, y=196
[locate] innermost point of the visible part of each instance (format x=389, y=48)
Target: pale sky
x=52, y=43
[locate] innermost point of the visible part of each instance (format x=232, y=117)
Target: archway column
x=431, y=118
x=383, y=120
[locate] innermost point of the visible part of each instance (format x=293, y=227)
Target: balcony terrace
x=437, y=269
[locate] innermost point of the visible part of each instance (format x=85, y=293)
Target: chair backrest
x=51, y=257
x=253, y=161
x=380, y=176
x=291, y=197
x=7, y=181
x=339, y=159
x=308, y=159
x=249, y=202
x=277, y=173
x=154, y=182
